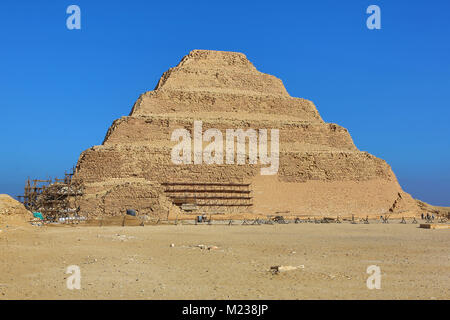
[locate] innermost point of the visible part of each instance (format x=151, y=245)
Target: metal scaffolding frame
x=54, y=198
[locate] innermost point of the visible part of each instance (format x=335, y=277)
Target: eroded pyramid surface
x=321, y=172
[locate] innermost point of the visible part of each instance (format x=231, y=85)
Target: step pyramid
x=320, y=170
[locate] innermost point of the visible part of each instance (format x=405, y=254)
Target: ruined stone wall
x=155, y=165
x=169, y=101
x=112, y=197
x=293, y=135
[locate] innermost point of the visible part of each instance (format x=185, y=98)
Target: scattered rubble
x=278, y=269
x=122, y=237
x=209, y=247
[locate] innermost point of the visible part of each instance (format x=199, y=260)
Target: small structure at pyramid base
x=320, y=173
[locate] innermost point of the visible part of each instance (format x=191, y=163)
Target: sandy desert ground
x=140, y=263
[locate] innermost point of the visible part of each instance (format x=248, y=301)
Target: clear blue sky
x=61, y=89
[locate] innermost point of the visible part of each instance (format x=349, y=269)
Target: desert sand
x=142, y=263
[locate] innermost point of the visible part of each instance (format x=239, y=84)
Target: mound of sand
x=13, y=212
x=9, y=206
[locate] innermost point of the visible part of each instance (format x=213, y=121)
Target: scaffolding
x=212, y=195
x=54, y=198
x=32, y=190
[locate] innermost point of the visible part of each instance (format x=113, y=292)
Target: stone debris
x=90, y=260
x=122, y=237
x=207, y=247
x=278, y=269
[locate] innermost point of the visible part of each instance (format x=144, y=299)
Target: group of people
x=428, y=217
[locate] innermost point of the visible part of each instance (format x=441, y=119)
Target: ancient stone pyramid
x=321, y=172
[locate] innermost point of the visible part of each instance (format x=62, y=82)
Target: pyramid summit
x=219, y=82
x=321, y=172
x=219, y=71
